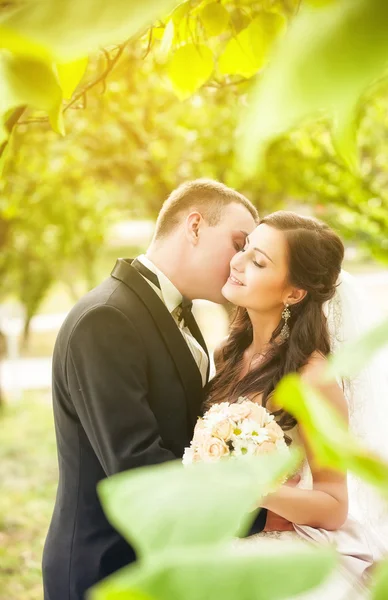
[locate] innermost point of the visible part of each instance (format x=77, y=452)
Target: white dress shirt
x=172, y=298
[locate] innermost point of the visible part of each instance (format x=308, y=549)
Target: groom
x=129, y=368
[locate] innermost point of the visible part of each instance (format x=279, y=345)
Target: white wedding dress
x=363, y=540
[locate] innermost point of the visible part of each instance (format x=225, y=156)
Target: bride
x=282, y=282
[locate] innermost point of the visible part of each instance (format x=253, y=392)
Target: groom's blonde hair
x=207, y=196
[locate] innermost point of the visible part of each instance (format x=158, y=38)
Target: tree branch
x=81, y=95
x=10, y=124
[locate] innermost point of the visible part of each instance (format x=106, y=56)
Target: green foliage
x=34, y=40
x=238, y=41
x=347, y=46
x=54, y=219
x=96, y=22
x=70, y=74
x=214, y=18
x=25, y=80
x=29, y=475
x=189, y=68
x=380, y=588
x=326, y=432
x=195, y=36
x=332, y=444
x=248, y=52
x=187, y=527
x=180, y=494
x=225, y=572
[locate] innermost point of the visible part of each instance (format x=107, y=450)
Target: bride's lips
x=234, y=281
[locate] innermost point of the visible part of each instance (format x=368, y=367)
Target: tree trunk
x=3, y=352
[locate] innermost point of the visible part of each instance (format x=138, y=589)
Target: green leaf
x=167, y=40
x=319, y=3
x=181, y=12
x=29, y=81
x=248, y=52
x=189, y=68
x=215, y=18
x=332, y=444
x=70, y=74
x=81, y=27
x=242, y=571
x=180, y=514
x=353, y=357
x=18, y=44
x=380, y=582
x=347, y=46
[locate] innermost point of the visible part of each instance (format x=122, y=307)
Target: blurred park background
x=69, y=206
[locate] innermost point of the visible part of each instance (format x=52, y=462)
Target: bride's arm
x=326, y=505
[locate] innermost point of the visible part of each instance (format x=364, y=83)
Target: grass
x=28, y=475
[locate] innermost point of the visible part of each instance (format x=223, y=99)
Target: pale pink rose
x=218, y=408
x=212, y=449
x=223, y=430
x=238, y=412
x=265, y=448
x=259, y=414
x=274, y=431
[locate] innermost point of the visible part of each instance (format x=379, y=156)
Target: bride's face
x=259, y=273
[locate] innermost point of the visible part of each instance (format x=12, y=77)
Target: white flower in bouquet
x=239, y=429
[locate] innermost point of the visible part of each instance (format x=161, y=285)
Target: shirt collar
x=171, y=296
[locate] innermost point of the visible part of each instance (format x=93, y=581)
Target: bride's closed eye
x=245, y=248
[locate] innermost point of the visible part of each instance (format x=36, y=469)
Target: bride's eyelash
x=257, y=265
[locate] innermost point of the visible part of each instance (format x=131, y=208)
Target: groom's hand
x=275, y=522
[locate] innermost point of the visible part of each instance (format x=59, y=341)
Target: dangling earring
x=285, y=332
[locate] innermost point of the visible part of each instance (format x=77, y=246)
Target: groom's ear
x=193, y=223
x=296, y=296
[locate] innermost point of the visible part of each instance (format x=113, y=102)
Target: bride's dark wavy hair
x=315, y=255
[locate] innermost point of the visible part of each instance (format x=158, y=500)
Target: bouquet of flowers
x=242, y=428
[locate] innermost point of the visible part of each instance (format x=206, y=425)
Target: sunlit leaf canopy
x=329, y=57
x=198, y=39
x=165, y=89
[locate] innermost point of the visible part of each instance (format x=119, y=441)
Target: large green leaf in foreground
x=171, y=506
x=221, y=572
x=182, y=521
x=327, y=59
x=380, y=587
x=333, y=445
x=70, y=30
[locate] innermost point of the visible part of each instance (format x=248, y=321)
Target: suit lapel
x=196, y=332
x=183, y=359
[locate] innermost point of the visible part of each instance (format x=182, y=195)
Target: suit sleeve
x=107, y=378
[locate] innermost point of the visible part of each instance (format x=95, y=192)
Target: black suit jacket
x=126, y=393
